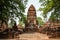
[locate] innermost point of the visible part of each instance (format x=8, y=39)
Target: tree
x=40, y=21
x=50, y=5
x=23, y=21
x=9, y=9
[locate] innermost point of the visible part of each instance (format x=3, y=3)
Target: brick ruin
x=31, y=22
x=51, y=28
x=51, y=24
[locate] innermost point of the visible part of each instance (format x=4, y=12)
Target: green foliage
x=49, y=5
x=40, y=22
x=23, y=18
x=23, y=21
x=10, y=9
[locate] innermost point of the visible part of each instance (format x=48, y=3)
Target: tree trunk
x=3, y=25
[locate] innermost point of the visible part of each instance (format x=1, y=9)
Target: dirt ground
x=35, y=36
x=32, y=36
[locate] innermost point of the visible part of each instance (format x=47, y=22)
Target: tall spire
x=31, y=8
x=31, y=19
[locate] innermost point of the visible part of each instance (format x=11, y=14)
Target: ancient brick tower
x=31, y=22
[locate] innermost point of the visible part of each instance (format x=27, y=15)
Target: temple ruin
x=31, y=22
